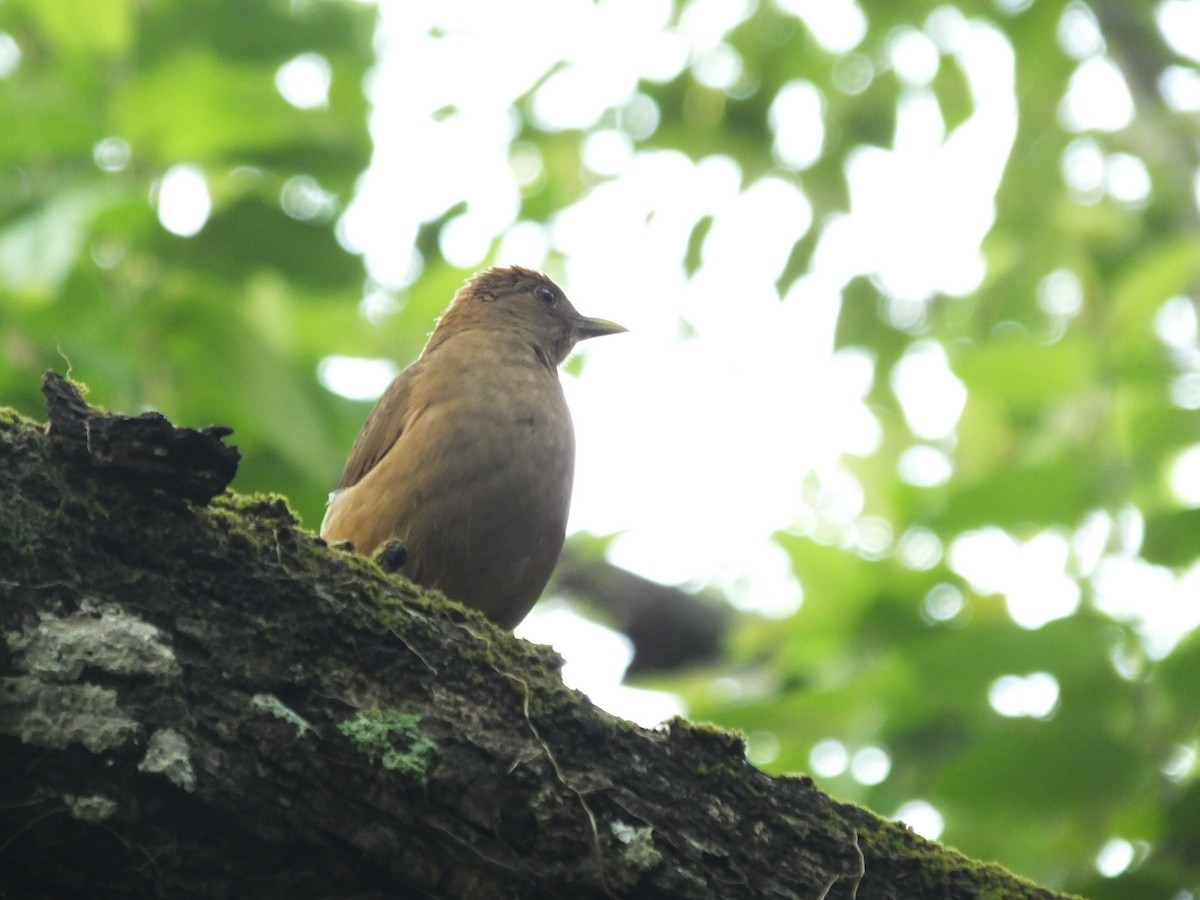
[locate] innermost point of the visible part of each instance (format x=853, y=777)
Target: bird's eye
x=547, y=296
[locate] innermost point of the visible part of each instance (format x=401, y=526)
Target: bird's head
x=520, y=301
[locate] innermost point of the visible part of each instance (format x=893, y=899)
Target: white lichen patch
x=99, y=635
x=58, y=715
x=639, y=851
x=91, y=809
x=272, y=704
x=168, y=754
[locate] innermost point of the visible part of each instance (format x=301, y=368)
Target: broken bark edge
x=145, y=449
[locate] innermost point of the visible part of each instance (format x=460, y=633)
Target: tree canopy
x=1000, y=580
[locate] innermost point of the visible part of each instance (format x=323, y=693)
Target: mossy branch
x=202, y=699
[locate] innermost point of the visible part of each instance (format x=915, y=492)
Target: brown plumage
x=469, y=455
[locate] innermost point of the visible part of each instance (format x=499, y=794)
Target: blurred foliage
x=1068, y=423
x=1072, y=420
x=225, y=326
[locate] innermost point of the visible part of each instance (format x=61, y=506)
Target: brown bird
x=469, y=455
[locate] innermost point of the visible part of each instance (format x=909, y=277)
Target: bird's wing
x=382, y=429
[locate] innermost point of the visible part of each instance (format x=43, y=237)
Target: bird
x=468, y=457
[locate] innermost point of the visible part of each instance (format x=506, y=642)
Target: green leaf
x=1022, y=374
x=221, y=110
x=1172, y=539
x=100, y=27
x=1038, y=495
x=1164, y=270
x=38, y=249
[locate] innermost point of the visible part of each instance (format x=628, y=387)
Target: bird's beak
x=590, y=328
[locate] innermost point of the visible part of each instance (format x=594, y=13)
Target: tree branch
x=204, y=700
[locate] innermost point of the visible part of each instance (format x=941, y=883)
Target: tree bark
x=203, y=700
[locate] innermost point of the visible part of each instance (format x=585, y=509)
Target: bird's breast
x=499, y=452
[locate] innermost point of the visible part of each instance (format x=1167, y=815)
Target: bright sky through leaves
x=695, y=450
x=680, y=438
